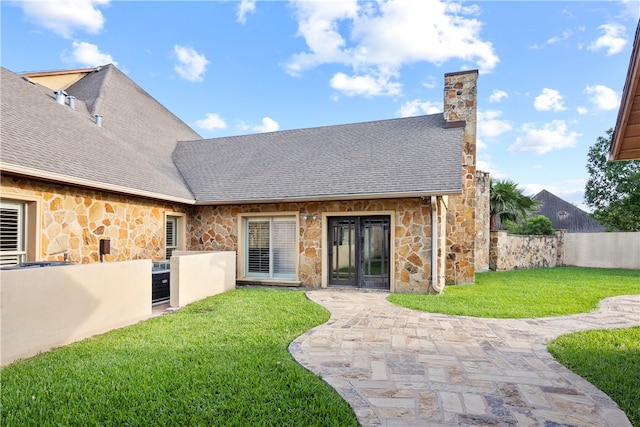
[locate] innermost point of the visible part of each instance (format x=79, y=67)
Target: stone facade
x=511, y=252
x=483, y=191
x=460, y=104
x=215, y=228
x=74, y=220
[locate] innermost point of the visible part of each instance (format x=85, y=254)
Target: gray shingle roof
x=132, y=150
x=565, y=216
x=407, y=156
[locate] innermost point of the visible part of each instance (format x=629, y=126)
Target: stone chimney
x=460, y=105
x=460, y=110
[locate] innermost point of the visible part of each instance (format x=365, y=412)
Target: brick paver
x=400, y=367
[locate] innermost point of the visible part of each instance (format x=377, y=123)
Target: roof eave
x=331, y=198
x=7, y=168
x=628, y=94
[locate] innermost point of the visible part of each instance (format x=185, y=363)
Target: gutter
x=434, y=246
x=332, y=197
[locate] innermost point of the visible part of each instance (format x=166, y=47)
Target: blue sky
x=551, y=73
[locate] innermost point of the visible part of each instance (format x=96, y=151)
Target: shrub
x=538, y=225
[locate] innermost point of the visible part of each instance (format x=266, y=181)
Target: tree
x=507, y=202
x=613, y=189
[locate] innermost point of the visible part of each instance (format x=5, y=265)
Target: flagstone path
x=400, y=367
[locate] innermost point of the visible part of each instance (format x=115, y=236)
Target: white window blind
x=271, y=247
x=171, y=236
x=12, y=248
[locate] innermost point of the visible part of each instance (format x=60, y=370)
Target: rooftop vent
x=61, y=96
x=72, y=101
x=98, y=119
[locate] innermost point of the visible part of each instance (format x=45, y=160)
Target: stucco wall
x=197, y=275
x=74, y=220
x=46, y=307
x=215, y=228
x=604, y=250
x=510, y=252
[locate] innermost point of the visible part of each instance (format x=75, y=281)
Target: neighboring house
x=626, y=138
x=565, y=216
x=386, y=204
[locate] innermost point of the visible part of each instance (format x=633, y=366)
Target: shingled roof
x=413, y=156
x=130, y=153
x=565, y=216
x=143, y=149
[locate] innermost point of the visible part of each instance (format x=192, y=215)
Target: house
x=625, y=144
x=87, y=155
x=565, y=216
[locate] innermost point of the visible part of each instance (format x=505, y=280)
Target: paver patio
x=400, y=367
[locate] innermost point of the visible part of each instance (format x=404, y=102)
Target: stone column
x=460, y=109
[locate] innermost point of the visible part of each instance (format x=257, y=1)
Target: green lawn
x=609, y=359
x=222, y=361
x=528, y=293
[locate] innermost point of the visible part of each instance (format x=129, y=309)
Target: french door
x=359, y=251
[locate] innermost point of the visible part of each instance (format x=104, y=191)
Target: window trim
x=242, y=220
x=180, y=231
x=32, y=221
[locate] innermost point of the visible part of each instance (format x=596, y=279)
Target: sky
x=551, y=73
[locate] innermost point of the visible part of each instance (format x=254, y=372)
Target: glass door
x=359, y=249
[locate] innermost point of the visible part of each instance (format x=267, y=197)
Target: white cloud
x=485, y=163
x=602, y=97
x=612, y=40
x=376, y=39
x=211, y=121
x=489, y=126
x=418, y=107
x=555, y=39
x=552, y=136
x=268, y=125
x=191, y=65
x=549, y=99
x=364, y=85
x=88, y=55
x=245, y=7
x=429, y=82
x=64, y=16
x=498, y=95
x=582, y=110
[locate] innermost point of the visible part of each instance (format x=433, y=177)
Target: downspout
x=434, y=245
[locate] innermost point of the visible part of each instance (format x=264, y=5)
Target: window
x=12, y=233
x=171, y=236
x=271, y=247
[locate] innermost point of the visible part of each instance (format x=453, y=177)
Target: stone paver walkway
x=400, y=367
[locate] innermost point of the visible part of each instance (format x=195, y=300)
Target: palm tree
x=507, y=202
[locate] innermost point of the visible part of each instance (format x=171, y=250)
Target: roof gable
x=565, y=216
x=42, y=138
x=386, y=158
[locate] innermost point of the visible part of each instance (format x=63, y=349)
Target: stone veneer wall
x=483, y=190
x=74, y=220
x=460, y=94
x=511, y=252
x=215, y=228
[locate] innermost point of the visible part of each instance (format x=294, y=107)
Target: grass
x=610, y=360
x=222, y=361
x=528, y=293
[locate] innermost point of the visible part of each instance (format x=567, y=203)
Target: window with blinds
x=271, y=247
x=171, y=236
x=12, y=247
